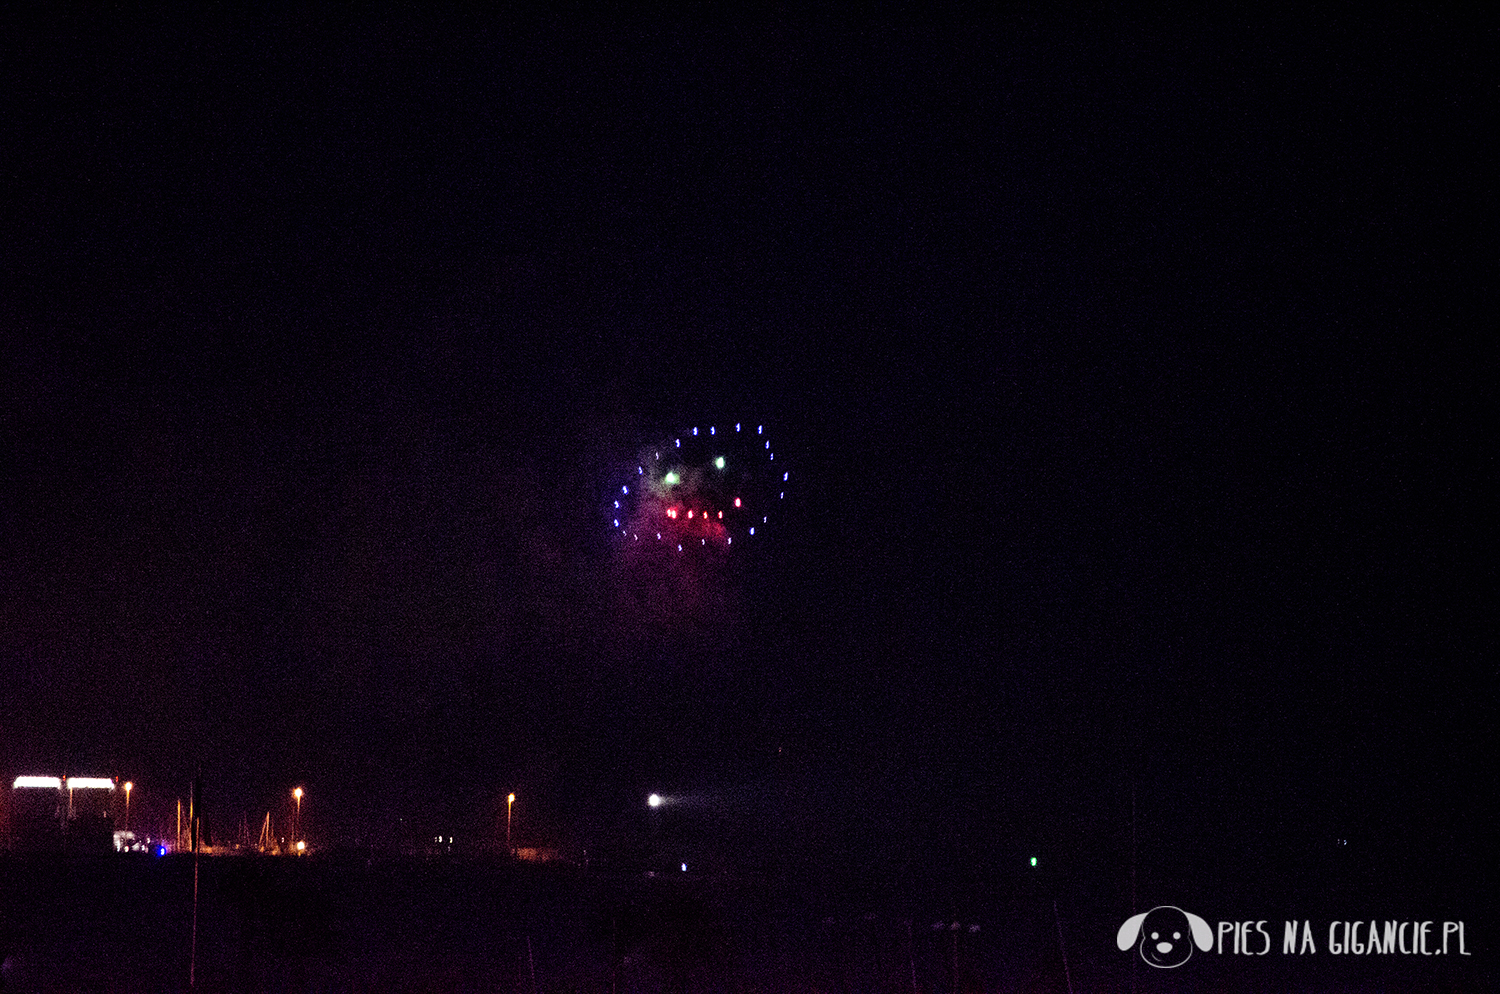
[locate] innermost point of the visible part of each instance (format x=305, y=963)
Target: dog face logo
x=1164, y=935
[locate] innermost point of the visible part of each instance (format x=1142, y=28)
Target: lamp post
x=297, y=794
x=509, y=800
x=129, y=786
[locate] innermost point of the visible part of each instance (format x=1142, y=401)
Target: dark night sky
x=1135, y=372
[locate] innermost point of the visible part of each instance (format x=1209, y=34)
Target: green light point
x=719, y=462
x=671, y=479
x=1033, y=861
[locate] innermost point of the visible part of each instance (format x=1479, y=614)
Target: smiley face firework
x=708, y=487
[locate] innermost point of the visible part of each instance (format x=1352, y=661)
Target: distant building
x=55, y=814
x=537, y=854
x=37, y=817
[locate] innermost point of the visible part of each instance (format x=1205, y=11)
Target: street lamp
x=129, y=786
x=297, y=793
x=654, y=800
x=509, y=800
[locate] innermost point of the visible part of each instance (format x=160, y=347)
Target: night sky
x=1133, y=373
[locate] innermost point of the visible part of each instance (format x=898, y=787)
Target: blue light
x=617, y=522
x=679, y=443
x=641, y=470
x=768, y=443
x=658, y=536
x=752, y=529
x=773, y=457
x=624, y=490
x=783, y=496
x=784, y=477
x=736, y=426
x=679, y=546
x=695, y=432
x=617, y=503
x=760, y=429
x=710, y=429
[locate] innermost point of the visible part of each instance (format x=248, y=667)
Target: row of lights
x=69, y=783
x=672, y=512
x=759, y=429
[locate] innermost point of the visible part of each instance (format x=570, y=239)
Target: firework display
x=711, y=486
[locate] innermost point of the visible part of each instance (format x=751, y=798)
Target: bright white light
x=624, y=490
x=654, y=800
x=679, y=442
x=736, y=426
x=760, y=429
x=684, y=867
x=729, y=540
x=695, y=432
x=710, y=429
x=90, y=783
x=752, y=529
x=52, y=782
x=773, y=457
x=783, y=479
x=617, y=522
x=641, y=470
x=768, y=443
x=617, y=504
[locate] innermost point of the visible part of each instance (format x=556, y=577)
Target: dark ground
x=270, y=925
